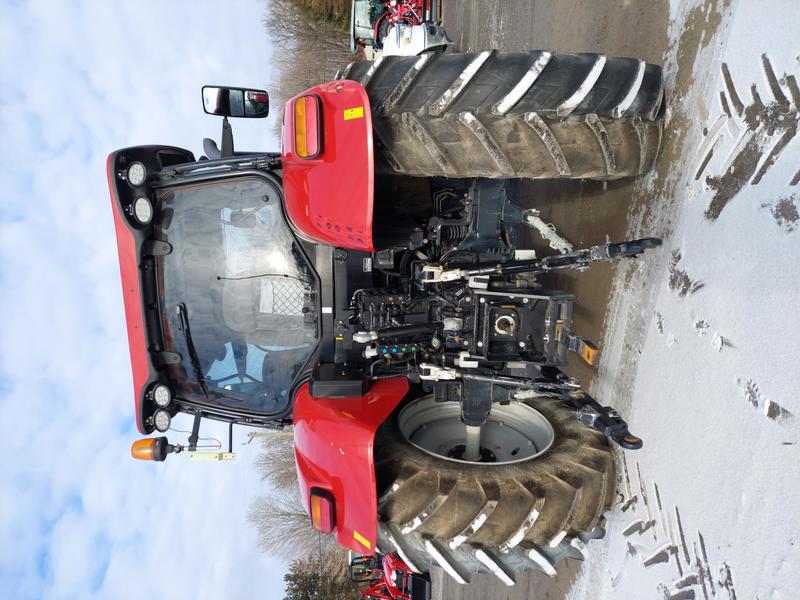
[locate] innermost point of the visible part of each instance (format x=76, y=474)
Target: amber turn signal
x=323, y=517
x=306, y=126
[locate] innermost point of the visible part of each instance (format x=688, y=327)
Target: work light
x=136, y=174
x=162, y=395
x=142, y=210
x=161, y=420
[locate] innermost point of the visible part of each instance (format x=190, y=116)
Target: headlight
x=136, y=174
x=162, y=395
x=142, y=210
x=161, y=420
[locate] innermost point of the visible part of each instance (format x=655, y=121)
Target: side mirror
x=235, y=102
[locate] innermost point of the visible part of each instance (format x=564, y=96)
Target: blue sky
x=78, y=517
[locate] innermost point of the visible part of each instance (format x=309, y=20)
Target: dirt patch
x=775, y=411
x=756, y=399
x=785, y=213
x=699, y=27
x=679, y=280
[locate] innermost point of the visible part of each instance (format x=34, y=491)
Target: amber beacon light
x=155, y=449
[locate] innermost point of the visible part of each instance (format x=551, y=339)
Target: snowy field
x=701, y=346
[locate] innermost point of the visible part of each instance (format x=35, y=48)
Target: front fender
x=329, y=198
x=333, y=443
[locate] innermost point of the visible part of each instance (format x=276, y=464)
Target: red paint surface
x=391, y=563
x=329, y=198
x=131, y=295
x=333, y=444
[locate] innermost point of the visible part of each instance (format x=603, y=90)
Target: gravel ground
x=584, y=212
x=697, y=351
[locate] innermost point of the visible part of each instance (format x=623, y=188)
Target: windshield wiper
x=187, y=334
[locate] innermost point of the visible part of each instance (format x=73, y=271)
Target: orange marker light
x=306, y=126
x=323, y=517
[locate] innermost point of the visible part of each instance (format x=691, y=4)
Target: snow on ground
x=701, y=348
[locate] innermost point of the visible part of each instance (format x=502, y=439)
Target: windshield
x=365, y=13
x=238, y=297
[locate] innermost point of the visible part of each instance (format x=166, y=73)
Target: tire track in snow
x=658, y=537
x=758, y=132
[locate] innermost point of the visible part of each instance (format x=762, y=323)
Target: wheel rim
x=512, y=433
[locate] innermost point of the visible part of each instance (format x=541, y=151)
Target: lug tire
x=523, y=516
x=513, y=114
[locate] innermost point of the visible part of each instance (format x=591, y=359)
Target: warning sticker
x=362, y=540
x=354, y=113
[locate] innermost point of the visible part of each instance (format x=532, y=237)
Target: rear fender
x=333, y=446
x=329, y=197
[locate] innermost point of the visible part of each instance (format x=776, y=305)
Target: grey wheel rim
x=513, y=433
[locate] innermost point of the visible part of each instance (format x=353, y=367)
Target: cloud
x=78, y=517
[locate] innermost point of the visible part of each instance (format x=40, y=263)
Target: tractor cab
x=228, y=261
x=221, y=296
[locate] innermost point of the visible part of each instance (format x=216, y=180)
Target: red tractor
x=372, y=285
x=389, y=578
x=396, y=27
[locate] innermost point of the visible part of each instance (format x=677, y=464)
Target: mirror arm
x=195, y=437
x=227, y=138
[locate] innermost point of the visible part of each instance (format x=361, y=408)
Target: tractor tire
x=513, y=114
x=505, y=518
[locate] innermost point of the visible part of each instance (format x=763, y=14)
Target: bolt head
x=480, y=344
x=522, y=344
x=483, y=300
x=525, y=300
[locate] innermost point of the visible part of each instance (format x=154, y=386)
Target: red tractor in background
x=409, y=12
x=389, y=578
x=396, y=27
x=373, y=286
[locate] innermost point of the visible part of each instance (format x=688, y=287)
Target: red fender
x=329, y=197
x=381, y=19
x=333, y=441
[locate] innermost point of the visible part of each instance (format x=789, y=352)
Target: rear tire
x=522, y=114
x=523, y=515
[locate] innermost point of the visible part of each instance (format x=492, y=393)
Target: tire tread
x=579, y=129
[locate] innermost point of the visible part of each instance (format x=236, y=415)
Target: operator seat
x=266, y=310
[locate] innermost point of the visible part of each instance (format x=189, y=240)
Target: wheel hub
x=512, y=433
